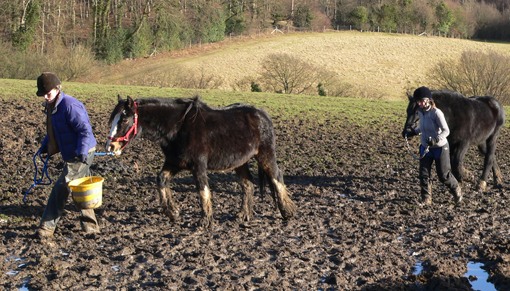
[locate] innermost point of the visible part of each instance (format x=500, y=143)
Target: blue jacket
x=72, y=128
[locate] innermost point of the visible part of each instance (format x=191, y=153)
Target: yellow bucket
x=87, y=192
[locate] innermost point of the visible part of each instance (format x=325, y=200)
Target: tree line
x=117, y=29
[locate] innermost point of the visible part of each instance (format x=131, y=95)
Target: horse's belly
x=224, y=160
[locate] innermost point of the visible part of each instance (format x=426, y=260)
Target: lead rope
x=411, y=152
x=44, y=171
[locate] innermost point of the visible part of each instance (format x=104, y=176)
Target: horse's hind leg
x=200, y=175
x=496, y=171
x=263, y=181
x=170, y=208
x=246, y=181
x=489, y=149
x=275, y=180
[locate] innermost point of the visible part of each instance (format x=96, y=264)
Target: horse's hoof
x=482, y=186
x=172, y=214
x=206, y=224
x=242, y=216
x=288, y=214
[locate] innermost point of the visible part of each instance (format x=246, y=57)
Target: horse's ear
x=119, y=98
x=130, y=103
x=409, y=96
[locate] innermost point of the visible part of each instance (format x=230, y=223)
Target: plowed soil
x=359, y=226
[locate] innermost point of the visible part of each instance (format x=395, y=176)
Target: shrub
x=321, y=90
x=475, y=73
x=255, y=87
x=68, y=63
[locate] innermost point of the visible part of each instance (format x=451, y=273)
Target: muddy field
x=359, y=226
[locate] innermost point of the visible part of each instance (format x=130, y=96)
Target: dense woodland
x=116, y=29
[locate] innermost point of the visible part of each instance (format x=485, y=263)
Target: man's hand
x=43, y=149
x=83, y=158
x=432, y=141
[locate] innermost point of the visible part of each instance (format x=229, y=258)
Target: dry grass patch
x=377, y=65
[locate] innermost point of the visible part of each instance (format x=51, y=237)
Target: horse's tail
x=501, y=113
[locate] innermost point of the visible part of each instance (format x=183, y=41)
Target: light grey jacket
x=432, y=124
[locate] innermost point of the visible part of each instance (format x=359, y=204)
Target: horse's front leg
x=168, y=205
x=246, y=181
x=457, y=162
x=200, y=175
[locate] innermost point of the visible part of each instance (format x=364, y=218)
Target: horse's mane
x=193, y=101
x=447, y=96
x=449, y=93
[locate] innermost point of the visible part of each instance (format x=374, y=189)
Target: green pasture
x=281, y=106
x=361, y=112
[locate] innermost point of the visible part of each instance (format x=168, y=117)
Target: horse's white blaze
x=113, y=130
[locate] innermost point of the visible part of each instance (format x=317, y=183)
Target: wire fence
x=271, y=31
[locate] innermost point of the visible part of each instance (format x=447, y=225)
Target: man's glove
x=83, y=158
x=43, y=149
x=432, y=141
x=409, y=132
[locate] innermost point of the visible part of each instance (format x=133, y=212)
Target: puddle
x=418, y=268
x=24, y=287
x=474, y=270
x=481, y=284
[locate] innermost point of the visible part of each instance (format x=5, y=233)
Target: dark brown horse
x=198, y=138
x=472, y=121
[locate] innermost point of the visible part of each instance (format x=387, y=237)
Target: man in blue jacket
x=70, y=133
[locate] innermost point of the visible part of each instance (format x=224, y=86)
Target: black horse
x=472, y=121
x=197, y=138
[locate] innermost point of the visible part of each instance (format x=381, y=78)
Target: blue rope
x=103, y=154
x=44, y=171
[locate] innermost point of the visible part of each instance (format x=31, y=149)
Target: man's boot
x=426, y=196
x=44, y=232
x=457, y=194
x=89, y=222
x=89, y=227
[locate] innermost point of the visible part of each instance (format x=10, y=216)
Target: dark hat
x=46, y=82
x=422, y=93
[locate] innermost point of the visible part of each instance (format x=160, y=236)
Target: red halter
x=133, y=130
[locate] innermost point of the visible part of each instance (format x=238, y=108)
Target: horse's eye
x=125, y=120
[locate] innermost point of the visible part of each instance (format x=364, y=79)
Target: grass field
x=282, y=106
x=379, y=65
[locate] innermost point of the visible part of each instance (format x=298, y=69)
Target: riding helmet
x=46, y=82
x=422, y=93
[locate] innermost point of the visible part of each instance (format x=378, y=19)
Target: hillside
x=380, y=65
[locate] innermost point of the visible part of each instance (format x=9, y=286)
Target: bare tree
x=287, y=74
x=475, y=73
